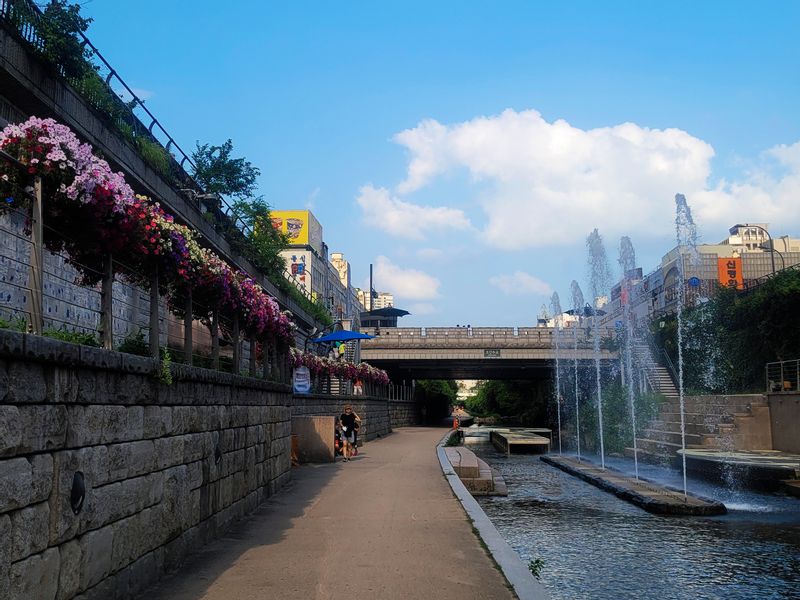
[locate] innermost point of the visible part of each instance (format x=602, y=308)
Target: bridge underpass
x=509, y=353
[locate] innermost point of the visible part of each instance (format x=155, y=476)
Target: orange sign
x=730, y=272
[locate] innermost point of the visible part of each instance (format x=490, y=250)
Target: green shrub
x=15, y=324
x=154, y=155
x=74, y=337
x=135, y=343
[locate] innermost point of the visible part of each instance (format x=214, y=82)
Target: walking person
x=348, y=423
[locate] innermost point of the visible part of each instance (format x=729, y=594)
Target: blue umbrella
x=342, y=336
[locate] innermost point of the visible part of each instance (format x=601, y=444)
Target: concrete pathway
x=385, y=525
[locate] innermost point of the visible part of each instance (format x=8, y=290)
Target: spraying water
x=686, y=235
x=577, y=307
x=599, y=277
x=555, y=306
x=627, y=260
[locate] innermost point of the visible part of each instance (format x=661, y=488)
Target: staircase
x=727, y=423
x=653, y=375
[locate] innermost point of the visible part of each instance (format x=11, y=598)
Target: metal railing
x=24, y=17
x=783, y=376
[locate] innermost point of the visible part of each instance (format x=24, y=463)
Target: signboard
x=298, y=263
x=301, y=380
x=730, y=272
x=294, y=223
x=300, y=226
x=491, y=353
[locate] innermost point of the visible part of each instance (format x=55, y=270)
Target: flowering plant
x=338, y=368
x=104, y=216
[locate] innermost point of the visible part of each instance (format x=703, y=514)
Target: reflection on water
x=597, y=546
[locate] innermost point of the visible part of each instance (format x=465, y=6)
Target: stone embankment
x=109, y=477
x=477, y=476
x=649, y=496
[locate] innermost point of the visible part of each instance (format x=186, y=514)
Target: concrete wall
x=166, y=467
x=784, y=411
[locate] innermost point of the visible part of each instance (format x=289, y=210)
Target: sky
x=467, y=149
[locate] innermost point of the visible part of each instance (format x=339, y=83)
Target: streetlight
x=769, y=237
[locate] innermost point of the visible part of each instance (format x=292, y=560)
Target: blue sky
x=467, y=149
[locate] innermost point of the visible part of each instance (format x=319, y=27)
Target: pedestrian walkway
x=385, y=525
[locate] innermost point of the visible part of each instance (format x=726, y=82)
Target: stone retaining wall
x=166, y=467
x=374, y=412
x=403, y=413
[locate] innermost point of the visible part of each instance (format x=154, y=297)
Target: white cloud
x=422, y=308
x=312, y=198
x=520, y=284
x=409, y=284
x=430, y=253
x=552, y=183
x=404, y=219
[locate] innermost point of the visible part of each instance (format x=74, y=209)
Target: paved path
x=385, y=525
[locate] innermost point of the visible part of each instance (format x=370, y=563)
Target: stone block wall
x=374, y=412
x=166, y=467
x=404, y=413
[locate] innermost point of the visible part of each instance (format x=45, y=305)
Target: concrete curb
x=517, y=574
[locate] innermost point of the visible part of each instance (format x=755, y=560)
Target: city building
x=743, y=260
x=379, y=299
x=308, y=265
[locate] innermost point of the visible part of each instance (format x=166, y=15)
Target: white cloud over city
x=520, y=284
x=407, y=284
x=545, y=183
x=382, y=210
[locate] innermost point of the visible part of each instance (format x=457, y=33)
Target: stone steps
x=477, y=476
x=672, y=436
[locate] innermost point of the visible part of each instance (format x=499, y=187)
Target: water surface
x=596, y=546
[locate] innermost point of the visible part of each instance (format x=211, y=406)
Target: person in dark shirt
x=348, y=423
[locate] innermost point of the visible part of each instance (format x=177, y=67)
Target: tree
x=60, y=29
x=218, y=173
x=265, y=242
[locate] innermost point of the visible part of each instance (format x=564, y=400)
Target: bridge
x=408, y=353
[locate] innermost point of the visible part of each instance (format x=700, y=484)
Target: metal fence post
x=215, y=339
x=154, y=314
x=252, y=366
x=265, y=357
x=106, y=303
x=236, y=345
x=187, y=328
x=36, y=266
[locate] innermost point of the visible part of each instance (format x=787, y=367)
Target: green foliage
x=135, y=343
x=453, y=440
x=14, y=324
x=263, y=244
x=535, y=566
x=519, y=401
x=154, y=155
x=617, y=426
x=164, y=374
x=74, y=337
x=442, y=387
x=217, y=172
x=728, y=340
x=60, y=29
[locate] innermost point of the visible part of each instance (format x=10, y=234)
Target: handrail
x=670, y=366
x=783, y=376
x=27, y=30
